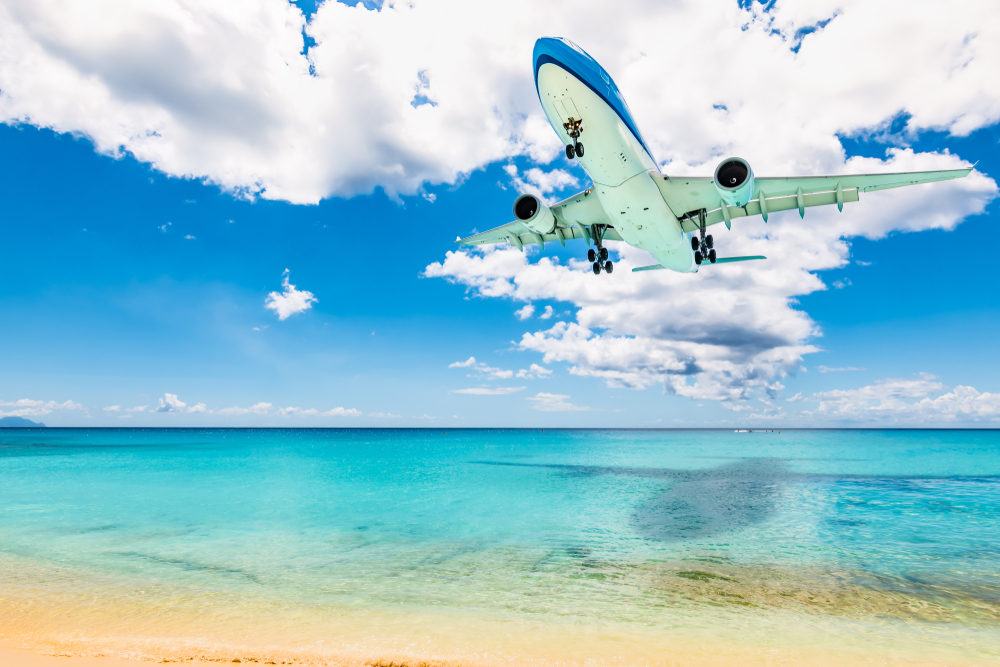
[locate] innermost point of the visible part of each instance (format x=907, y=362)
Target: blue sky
x=128, y=278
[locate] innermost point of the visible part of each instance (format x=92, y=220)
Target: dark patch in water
x=189, y=565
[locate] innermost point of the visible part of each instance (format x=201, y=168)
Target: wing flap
x=774, y=204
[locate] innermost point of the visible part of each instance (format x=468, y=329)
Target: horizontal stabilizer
x=720, y=260
x=726, y=260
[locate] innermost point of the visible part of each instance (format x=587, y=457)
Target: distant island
x=19, y=422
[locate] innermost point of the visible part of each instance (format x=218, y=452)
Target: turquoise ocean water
x=503, y=547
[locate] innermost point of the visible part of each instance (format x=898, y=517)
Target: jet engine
x=734, y=181
x=530, y=210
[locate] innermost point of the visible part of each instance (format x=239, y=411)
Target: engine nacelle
x=734, y=181
x=530, y=210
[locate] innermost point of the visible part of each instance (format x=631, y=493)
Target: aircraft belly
x=612, y=155
x=641, y=217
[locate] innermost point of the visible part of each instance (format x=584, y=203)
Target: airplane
x=631, y=200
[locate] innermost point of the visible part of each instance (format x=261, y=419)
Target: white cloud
x=481, y=369
x=487, y=391
x=827, y=369
x=290, y=301
x=138, y=408
x=547, y=314
x=842, y=283
x=910, y=401
x=298, y=412
x=525, y=313
x=539, y=182
x=256, y=409
x=384, y=415
x=553, y=403
x=535, y=371
x=241, y=105
x=341, y=412
x=112, y=408
x=728, y=332
x=170, y=403
x=188, y=237
x=26, y=407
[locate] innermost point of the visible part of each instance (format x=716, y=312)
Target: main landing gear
x=599, y=257
x=574, y=128
x=702, y=244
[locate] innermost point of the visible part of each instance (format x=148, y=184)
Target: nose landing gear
x=574, y=128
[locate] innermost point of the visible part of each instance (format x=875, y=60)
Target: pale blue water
x=503, y=526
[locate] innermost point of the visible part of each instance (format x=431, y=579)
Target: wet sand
x=16, y=657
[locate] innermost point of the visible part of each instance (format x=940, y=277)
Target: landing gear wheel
x=709, y=243
x=604, y=254
x=698, y=259
x=591, y=255
x=609, y=267
x=579, y=150
x=695, y=243
x=597, y=268
x=570, y=152
x=711, y=256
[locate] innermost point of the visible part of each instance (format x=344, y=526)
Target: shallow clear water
x=503, y=546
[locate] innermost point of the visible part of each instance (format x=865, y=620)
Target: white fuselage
x=622, y=170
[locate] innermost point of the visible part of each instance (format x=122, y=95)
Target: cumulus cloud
x=384, y=415
x=26, y=407
x=170, y=403
x=341, y=412
x=487, y=391
x=728, y=332
x=471, y=361
x=290, y=301
x=525, y=313
x=916, y=400
x=112, y=408
x=553, y=403
x=244, y=104
x=827, y=369
x=540, y=182
x=547, y=314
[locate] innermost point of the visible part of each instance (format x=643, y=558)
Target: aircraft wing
x=686, y=195
x=574, y=217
